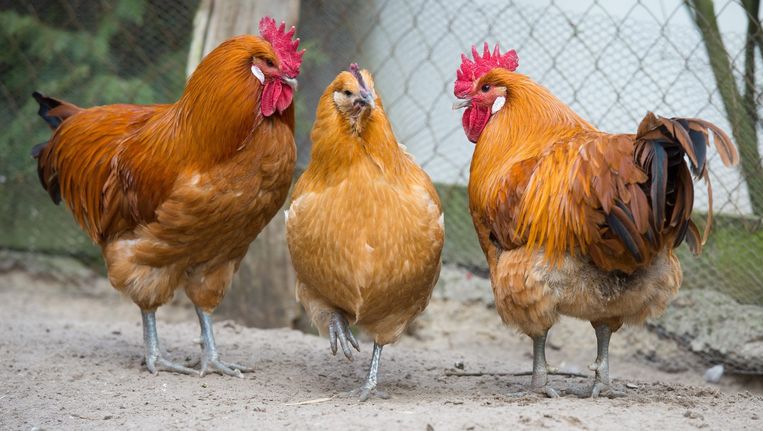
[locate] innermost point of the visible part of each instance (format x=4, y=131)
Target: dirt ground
x=72, y=351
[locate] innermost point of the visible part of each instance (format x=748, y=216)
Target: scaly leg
x=540, y=368
x=340, y=329
x=369, y=387
x=154, y=360
x=601, y=383
x=210, y=358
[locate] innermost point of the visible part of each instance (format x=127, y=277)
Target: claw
x=339, y=329
x=353, y=341
x=226, y=368
x=332, y=337
x=364, y=393
x=598, y=389
x=156, y=363
x=548, y=391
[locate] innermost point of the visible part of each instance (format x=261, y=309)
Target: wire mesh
x=610, y=61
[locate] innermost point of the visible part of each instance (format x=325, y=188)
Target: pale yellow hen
x=365, y=227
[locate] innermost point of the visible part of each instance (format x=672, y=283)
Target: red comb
x=285, y=48
x=471, y=71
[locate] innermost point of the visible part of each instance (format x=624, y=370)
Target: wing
x=82, y=162
x=575, y=187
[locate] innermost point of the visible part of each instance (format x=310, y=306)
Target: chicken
x=175, y=193
x=365, y=226
x=574, y=221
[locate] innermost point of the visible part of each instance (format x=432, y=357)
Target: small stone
x=459, y=365
x=714, y=374
x=631, y=386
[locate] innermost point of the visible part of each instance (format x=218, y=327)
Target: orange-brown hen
x=573, y=220
x=365, y=227
x=175, y=193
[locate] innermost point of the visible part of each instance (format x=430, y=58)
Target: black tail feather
x=50, y=184
x=659, y=182
x=46, y=104
x=699, y=142
x=664, y=145
x=622, y=223
x=37, y=149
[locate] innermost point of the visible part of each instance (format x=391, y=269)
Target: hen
x=573, y=220
x=365, y=227
x=173, y=194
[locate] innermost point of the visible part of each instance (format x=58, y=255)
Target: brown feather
x=174, y=194
x=365, y=226
x=587, y=210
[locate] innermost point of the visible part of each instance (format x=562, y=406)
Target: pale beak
x=367, y=98
x=291, y=82
x=463, y=103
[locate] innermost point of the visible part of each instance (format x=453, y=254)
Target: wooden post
x=262, y=293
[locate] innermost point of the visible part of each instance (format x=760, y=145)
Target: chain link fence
x=610, y=61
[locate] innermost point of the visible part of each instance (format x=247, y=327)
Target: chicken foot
x=368, y=389
x=154, y=360
x=602, y=383
x=340, y=329
x=541, y=369
x=210, y=358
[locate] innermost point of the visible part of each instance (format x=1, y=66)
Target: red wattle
x=275, y=96
x=284, y=100
x=474, y=121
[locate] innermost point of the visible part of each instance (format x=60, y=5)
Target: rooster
x=175, y=193
x=365, y=227
x=573, y=220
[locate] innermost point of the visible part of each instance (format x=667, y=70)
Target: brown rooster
x=175, y=193
x=365, y=227
x=573, y=220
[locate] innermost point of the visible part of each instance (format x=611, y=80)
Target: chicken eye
x=347, y=93
x=486, y=88
x=269, y=62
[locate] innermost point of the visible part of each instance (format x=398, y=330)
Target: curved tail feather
x=54, y=112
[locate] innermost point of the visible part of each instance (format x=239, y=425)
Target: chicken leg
x=154, y=360
x=541, y=368
x=339, y=328
x=601, y=383
x=369, y=387
x=210, y=358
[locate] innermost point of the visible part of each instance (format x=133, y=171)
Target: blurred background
x=612, y=61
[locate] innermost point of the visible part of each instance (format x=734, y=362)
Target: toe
x=364, y=394
x=242, y=368
x=221, y=368
x=165, y=365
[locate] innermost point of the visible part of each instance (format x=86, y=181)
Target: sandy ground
x=72, y=351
